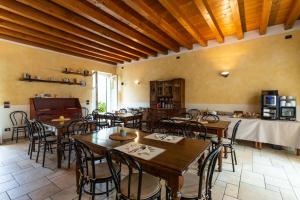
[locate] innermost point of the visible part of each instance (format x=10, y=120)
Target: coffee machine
x=269, y=104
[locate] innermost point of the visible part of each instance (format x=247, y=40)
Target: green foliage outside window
x=102, y=107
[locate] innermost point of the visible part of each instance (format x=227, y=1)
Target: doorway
x=105, y=92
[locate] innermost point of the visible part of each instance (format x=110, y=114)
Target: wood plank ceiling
x=115, y=31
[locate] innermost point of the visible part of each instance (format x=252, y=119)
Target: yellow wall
x=265, y=63
x=16, y=59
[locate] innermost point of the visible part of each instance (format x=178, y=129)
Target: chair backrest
x=132, y=165
x=39, y=128
x=74, y=127
x=196, y=128
x=234, y=131
x=137, y=119
x=111, y=117
x=186, y=115
x=194, y=112
x=123, y=110
x=30, y=128
x=85, y=159
x=206, y=171
x=85, y=111
x=210, y=117
x=18, y=117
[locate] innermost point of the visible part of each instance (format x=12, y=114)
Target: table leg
x=59, y=147
x=220, y=134
x=77, y=177
x=175, y=183
x=298, y=152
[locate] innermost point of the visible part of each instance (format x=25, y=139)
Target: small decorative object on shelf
x=81, y=83
x=77, y=72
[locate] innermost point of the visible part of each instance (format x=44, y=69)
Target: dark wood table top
x=57, y=124
x=176, y=158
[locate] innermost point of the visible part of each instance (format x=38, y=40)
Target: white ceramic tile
x=228, y=178
x=281, y=183
x=272, y=171
x=253, y=178
x=232, y=190
x=250, y=192
x=28, y=187
x=229, y=198
x=288, y=194
x=4, y=196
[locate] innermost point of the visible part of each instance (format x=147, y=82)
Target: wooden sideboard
x=168, y=94
x=55, y=107
x=167, y=99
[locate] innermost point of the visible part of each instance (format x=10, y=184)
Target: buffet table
x=277, y=132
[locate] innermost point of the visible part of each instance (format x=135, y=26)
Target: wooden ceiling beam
x=120, y=9
x=293, y=15
x=30, y=43
x=266, y=11
x=41, y=17
x=181, y=18
x=41, y=35
x=234, y=5
x=52, y=44
x=77, y=20
x=11, y=17
x=160, y=22
x=87, y=10
x=209, y=18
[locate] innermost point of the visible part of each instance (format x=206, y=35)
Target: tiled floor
x=261, y=175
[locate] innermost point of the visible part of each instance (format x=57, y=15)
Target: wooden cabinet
x=168, y=94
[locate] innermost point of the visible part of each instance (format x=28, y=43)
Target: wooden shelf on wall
x=76, y=73
x=50, y=81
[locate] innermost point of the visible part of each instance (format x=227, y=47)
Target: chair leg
x=45, y=146
x=80, y=188
x=17, y=135
x=107, y=189
x=93, y=190
x=38, y=152
x=32, y=143
x=12, y=134
x=70, y=152
x=232, y=161
x=235, y=157
x=29, y=147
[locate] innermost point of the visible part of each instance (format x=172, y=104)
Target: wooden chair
x=136, y=122
x=136, y=184
x=45, y=141
x=18, y=119
x=194, y=112
x=199, y=186
x=85, y=112
x=123, y=110
x=198, y=130
x=78, y=127
x=210, y=118
x=229, y=143
x=186, y=115
x=91, y=172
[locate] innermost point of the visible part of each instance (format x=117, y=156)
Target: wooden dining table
x=219, y=128
x=169, y=165
x=124, y=117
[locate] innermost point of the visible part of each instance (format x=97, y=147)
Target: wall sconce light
x=137, y=82
x=225, y=74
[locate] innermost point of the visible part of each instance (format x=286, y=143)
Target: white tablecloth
x=284, y=133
